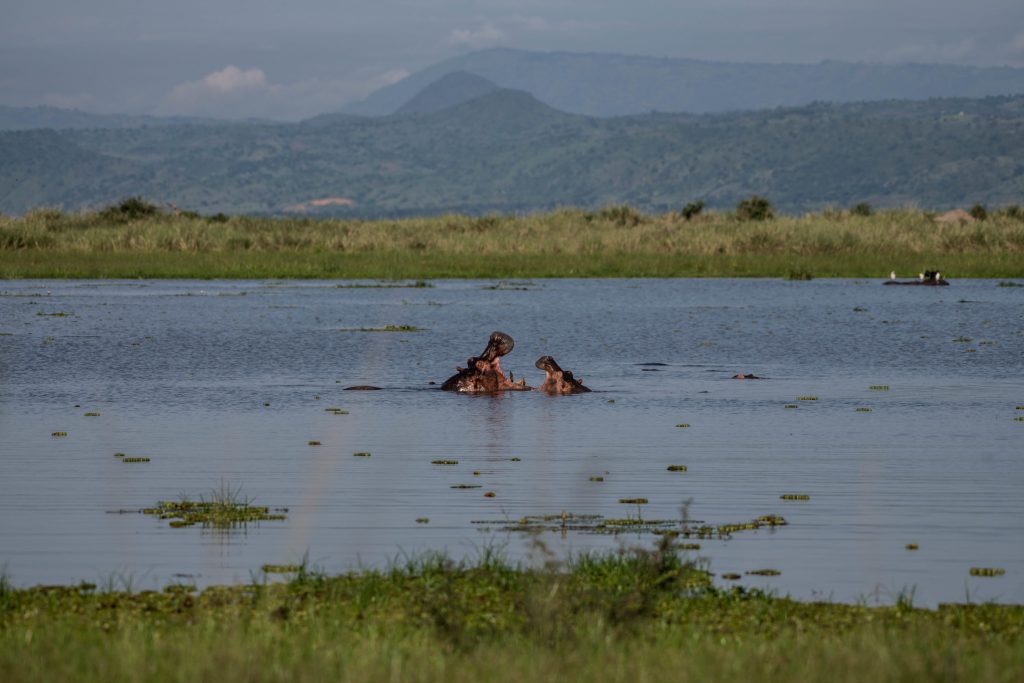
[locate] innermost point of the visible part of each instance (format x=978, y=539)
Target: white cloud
x=485, y=36
x=245, y=93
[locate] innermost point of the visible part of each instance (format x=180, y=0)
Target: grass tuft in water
x=92, y=415
x=361, y=454
x=794, y=496
x=762, y=572
x=911, y=546
x=135, y=459
x=282, y=568
x=633, y=501
x=676, y=468
x=223, y=508
x=59, y=434
x=445, y=462
x=683, y=425
x=987, y=571
x=879, y=387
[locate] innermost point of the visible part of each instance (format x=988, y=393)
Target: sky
x=291, y=59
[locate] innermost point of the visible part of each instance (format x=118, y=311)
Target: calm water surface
x=180, y=372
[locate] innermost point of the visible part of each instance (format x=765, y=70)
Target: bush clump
x=624, y=215
x=692, y=210
x=128, y=210
x=978, y=212
x=861, y=209
x=755, y=208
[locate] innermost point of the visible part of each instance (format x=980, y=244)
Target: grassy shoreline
x=615, y=242
x=636, y=615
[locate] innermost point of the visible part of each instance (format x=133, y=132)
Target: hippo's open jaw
x=500, y=344
x=557, y=380
x=548, y=365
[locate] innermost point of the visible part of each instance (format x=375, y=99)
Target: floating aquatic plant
x=911, y=546
x=731, y=576
x=863, y=410
x=987, y=571
x=762, y=572
x=794, y=496
x=281, y=568
x=361, y=454
x=807, y=398
x=879, y=387
x=490, y=494
x=59, y=434
x=633, y=501
x=226, y=508
x=791, y=405
x=386, y=328
x=962, y=339
x=423, y=520
x=676, y=468
x=136, y=459
x=684, y=425
x=118, y=455
x=597, y=479
x=336, y=411
x=464, y=486
x=516, y=459
x=92, y=415
x=444, y=462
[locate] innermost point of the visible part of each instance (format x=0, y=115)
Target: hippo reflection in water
x=483, y=373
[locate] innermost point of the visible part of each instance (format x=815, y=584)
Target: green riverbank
x=615, y=242
x=633, y=616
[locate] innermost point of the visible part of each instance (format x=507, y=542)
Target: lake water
x=180, y=372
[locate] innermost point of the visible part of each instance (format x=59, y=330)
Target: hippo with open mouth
x=557, y=380
x=483, y=373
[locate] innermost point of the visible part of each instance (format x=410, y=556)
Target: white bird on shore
x=920, y=276
x=892, y=275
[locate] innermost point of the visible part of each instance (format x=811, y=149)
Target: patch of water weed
x=911, y=546
x=762, y=572
x=962, y=340
x=794, y=496
x=223, y=508
x=444, y=462
x=490, y=494
x=281, y=568
x=423, y=520
x=676, y=468
x=791, y=405
x=597, y=479
x=361, y=454
x=633, y=501
x=879, y=387
x=987, y=571
x=59, y=434
x=418, y=284
x=731, y=576
x=135, y=459
x=313, y=443
x=58, y=314
x=92, y=415
x=807, y=398
x=683, y=425
x=336, y=411
x=386, y=328
x=465, y=486
x=510, y=286
x=1008, y=283
x=863, y=410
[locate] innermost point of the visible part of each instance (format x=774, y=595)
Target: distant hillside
x=448, y=91
x=508, y=152
x=613, y=85
x=29, y=118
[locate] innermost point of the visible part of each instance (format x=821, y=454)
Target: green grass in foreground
x=639, y=615
x=616, y=242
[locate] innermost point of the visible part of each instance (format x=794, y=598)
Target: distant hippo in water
x=483, y=373
x=558, y=381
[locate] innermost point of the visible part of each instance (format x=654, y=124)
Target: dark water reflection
x=181, y=370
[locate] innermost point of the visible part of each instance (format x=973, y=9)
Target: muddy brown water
x=180, y=372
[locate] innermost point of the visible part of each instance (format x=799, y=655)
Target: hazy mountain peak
x=450, y=90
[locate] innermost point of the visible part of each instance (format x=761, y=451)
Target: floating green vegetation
x=505, y=285
x=135, y=459
x=586, y=524
x=281, y=568
x=731, y=576
x=336, y=411
x=863, y=410
x=118, y=455
x=1019, y=419
x=683, y=425
x=465, y=486
x=911, y=546
x=611, y=400
x=597, y=479
x=386, y=328
x=58, y=434
x=794, y=496
x=762, y=572
x=791, y=405
x=879, y=387
x=53, y=315
x=92, y=415
x=962, y=340
x=1019, y=408
x=314, y=443
x=987, y=571
x=689, y=546
x=807, y=398
x=490, y=494
x=633, y=501
x=418, y=284
x=515, y=459
x=423, y=520
x=858, y=309
x=361, y=454
x=676, y=468
x=476, y=473
x=1007, y=283
x=225, y=508
x=445, y=462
